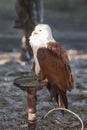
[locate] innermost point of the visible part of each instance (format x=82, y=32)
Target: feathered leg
x=59, y=95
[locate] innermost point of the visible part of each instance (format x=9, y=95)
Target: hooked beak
x=34, y=33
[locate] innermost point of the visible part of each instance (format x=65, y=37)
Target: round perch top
x=29, y=83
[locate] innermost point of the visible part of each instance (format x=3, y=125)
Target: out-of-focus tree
x=85, y=2
x=30, y=13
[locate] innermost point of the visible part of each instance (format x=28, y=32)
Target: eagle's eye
x=40, y=30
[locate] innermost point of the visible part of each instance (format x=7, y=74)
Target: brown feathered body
x=54, y=66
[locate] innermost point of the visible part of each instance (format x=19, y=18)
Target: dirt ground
x=69, y=28
x=13, y=101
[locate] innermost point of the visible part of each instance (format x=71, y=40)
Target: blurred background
x=68, y=20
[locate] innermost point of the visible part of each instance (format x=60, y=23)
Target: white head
x=39, y=38
x=41, y=35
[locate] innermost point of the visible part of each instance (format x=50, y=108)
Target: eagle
x=51, y=63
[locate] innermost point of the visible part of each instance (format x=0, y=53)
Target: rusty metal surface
x=29, y=83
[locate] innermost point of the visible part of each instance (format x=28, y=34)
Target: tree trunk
x=30, y=13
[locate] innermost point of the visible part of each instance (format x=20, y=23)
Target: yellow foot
x=45, y=80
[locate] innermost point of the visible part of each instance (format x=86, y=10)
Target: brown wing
x=55, y=66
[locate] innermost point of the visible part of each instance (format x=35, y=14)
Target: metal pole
x=32, y=110
x=31, y=85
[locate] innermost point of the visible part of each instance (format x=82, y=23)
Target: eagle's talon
x=44, y=80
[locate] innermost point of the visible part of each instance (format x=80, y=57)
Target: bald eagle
x=51, y=62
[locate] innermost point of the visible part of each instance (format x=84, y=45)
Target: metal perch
x=31, y=85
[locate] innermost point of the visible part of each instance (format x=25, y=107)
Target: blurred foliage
x=65, y=4
x=66, y=14
x=7, y=4
x=7, y=9
x=60, y=13
x=54, y=4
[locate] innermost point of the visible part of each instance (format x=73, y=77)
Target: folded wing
x=55, y=66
